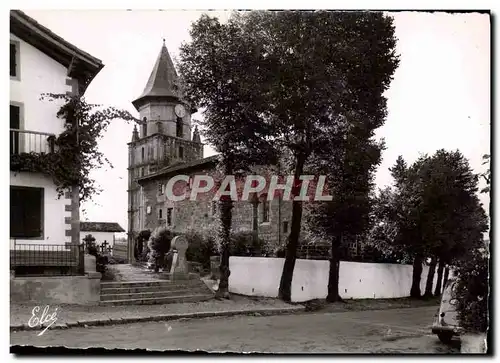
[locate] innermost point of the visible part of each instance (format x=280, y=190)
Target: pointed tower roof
x=162, y=79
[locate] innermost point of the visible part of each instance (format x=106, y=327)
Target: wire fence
x=42, y=259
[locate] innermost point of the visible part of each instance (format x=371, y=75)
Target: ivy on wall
x=76, y=151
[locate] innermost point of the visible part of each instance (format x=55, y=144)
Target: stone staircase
x=154, y=292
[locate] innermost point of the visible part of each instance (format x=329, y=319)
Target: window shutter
x=26, y=212
x=14, y=117
x=33, y=212
x=15, y=123
x=16, y=214
x=13, y=51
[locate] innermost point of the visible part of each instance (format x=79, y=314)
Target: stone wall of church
x=198, y=215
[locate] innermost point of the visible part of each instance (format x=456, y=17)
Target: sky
x=439, y=98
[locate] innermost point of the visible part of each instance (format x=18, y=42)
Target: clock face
x=180, y=111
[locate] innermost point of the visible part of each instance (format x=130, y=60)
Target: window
x=26, y=212
x=14, y=59
x=265, y=210
x=179, y=131
x=143, y=153
x=285, y=227
x=15, y=123
x=160, y=188
x=181, y=152
x=142, y=171
x=169, y=216
x=144, y=130
x=160, y=214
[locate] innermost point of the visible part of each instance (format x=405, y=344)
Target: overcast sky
x=440, y=96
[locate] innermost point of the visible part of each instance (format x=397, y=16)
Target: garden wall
x=260, y=276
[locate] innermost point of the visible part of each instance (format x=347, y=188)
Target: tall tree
x=436, y=210
x=219, y=73
x=320, y=67
x=349, y=161
x=473, y=285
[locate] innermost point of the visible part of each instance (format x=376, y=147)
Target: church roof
x=161, y=82
x=100, y=227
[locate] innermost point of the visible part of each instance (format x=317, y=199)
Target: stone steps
x=160, y=300
x=150, y=294
x=153, y=292
x=137, y=289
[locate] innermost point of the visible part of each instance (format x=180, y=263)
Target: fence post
x=81, y=258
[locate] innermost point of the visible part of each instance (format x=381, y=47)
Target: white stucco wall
x=100, y=237
x=53, y=210
x=255, y=276
x=40, y=74
x=260, y=276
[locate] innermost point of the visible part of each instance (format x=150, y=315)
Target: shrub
x=159, y=245
x=472, y=292
x=200, y=248
x=91, y=248
x=140, y=242
x=114, y=260
x=243, y=244
x=90, y=245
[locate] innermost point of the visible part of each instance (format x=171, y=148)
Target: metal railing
x=23, y=141
x=40, y=259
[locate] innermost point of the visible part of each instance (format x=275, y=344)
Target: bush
x=91, y=248
x=243, y=244
x=159, y=245
x=114, y=260
x=472, y=292
x=90, y=245
x=140, y=250
x=200, y=248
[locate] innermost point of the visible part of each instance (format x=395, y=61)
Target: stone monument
x=179, y=269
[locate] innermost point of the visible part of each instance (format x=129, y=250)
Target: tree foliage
x=76, y=148
x=432, y=211
x=273, y=82
x=473, y=283
x=219, y=74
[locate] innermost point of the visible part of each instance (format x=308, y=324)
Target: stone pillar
x=180, y=269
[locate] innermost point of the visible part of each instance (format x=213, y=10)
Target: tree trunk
x=437, y=291
x=417, y=273
x=225, y=238
x=333, y=280
x=255, y=221
x=446, y=274
x=430, y=278
x=285, y=289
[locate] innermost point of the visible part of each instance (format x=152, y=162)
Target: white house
x=101, y=231
x=40, y=62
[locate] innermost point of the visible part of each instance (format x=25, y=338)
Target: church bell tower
x=162, y=137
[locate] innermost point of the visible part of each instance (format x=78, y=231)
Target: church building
x=164, y=146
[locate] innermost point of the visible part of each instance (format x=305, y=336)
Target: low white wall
x=260, y=276
x=255, y=276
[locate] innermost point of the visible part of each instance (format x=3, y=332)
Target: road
x=380, y=331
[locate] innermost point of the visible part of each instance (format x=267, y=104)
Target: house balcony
x=24, y=141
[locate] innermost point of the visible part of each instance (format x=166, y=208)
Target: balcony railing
x=23, y=141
